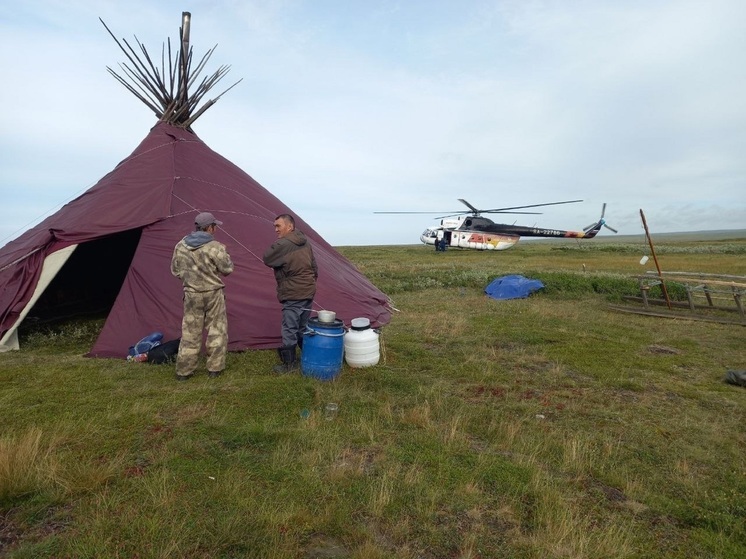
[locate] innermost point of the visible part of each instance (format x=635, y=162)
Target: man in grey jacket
x=294, y=265
x=200, y=262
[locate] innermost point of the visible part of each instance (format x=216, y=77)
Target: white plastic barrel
x=361, y=344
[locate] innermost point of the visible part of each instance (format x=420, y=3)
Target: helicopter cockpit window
x=429, y=233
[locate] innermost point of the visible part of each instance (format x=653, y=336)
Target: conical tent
x=110, y=249
x=125, y=228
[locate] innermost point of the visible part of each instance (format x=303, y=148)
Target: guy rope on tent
x=178, y=107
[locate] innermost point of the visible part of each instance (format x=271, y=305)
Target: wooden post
x=708, y=295
x=655, y=259
x=739, y=303
x=644, y=292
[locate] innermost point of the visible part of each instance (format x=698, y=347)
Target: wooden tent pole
x=186, y=19
x=655, y=259
x=155, y=87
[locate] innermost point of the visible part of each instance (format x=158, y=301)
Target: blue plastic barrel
x=323, y=349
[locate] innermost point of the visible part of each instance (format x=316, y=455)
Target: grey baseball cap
x=206, y=218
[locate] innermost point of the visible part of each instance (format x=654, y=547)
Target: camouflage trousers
x=203, y=311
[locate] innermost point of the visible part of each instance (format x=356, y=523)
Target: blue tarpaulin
x=512, y=287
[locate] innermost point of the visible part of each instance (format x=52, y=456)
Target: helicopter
x=468, y=229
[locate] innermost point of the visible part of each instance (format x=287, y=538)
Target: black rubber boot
x=287, y=356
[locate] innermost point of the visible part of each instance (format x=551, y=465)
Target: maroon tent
x=110, y=249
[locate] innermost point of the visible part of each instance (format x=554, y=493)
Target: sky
x=351, y=107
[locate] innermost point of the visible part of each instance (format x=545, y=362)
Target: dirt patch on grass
x=14, y=533
x=483, y=392
x=612, y=494
x=10, y=533
x=324, y=547
x=664, y=350
x=355, y=461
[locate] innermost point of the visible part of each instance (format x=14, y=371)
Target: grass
x=544, y=427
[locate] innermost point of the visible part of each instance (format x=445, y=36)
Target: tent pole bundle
x=155, y=87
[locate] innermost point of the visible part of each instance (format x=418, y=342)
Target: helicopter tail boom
x=587, y=233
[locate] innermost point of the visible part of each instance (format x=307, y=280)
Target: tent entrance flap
x=80, y=280
x=90, y=280
x=52, y=265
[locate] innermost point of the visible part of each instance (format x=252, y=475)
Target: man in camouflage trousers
x=200, y=261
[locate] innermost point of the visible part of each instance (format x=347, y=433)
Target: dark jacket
x=295, y=268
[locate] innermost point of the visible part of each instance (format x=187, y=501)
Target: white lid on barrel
x=360, y=323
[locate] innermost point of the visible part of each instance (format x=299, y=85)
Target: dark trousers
x=295, y=316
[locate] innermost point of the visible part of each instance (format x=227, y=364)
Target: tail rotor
x=600, y=223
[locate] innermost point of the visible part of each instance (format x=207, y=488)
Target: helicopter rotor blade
x=589, y=227
x=524, y=213
x=610, y=228
x=603, y=210
x=428, y=213
x=476, y=215
x=468, y=205
x=505, y=210
x=452, y=215
x=475, y=211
